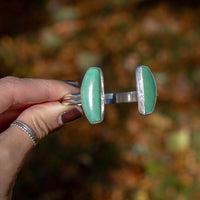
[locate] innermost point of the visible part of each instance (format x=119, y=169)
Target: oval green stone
x=150, y=91
x=91, y=94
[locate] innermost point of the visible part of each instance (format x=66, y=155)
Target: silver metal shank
x=122, y=97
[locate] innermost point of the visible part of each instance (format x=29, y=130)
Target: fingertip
x=72, y=83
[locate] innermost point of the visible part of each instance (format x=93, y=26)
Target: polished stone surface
x=91, y=95
x=150, y=91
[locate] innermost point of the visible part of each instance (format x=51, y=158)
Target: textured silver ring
x=27, y=130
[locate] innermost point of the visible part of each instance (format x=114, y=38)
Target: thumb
x=44, y=118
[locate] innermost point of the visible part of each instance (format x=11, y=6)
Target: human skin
x=35, y=102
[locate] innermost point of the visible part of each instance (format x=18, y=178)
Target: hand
x=36, y=103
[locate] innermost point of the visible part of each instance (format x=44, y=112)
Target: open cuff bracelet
x=92, y=97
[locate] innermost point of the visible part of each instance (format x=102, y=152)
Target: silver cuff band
x=27, y=130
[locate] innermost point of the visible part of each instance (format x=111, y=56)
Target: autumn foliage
x=127, y=156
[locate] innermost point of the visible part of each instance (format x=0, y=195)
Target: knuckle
x=39, y=124
x=36, y=120
x=40, y=119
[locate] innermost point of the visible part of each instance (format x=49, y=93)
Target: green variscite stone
x=91, y=92
x=150, y=91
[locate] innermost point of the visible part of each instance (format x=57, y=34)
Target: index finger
x=15, y=92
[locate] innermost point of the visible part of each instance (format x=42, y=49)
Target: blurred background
x=128, y=156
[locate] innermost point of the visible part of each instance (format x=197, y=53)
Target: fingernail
x=72, y=83
x=69, y=115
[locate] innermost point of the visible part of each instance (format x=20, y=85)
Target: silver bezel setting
x=140, y=90
x=102, y=95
